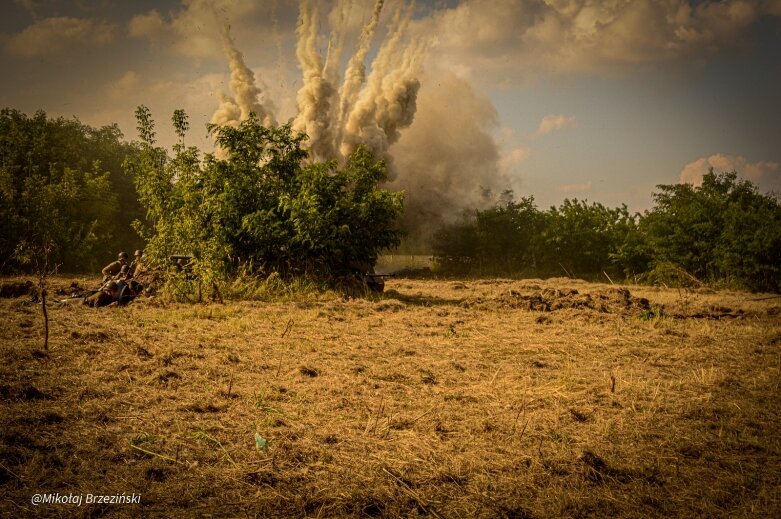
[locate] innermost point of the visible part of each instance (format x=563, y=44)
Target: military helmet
x=122, y=255
x=138, y=253
x=112, y=285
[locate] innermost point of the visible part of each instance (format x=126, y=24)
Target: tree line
x=63, y=182
x=723, y=232
x=259, y=205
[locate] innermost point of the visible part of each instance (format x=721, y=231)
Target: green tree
x=506, y=235
x=455, y=245
x=63, y=179
x=584, y=238
x=498, y=240
x=258, y=206
x=516, y=238
x=723, y=231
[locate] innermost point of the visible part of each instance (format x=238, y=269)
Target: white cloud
x=554, y=123
x=509, y=160
x=150, y=26
x=194, y=29
x=125, y=85
x=767, y=175
x=515, y=39
x=53, y=36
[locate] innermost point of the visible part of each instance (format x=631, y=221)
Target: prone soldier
x=103, y=297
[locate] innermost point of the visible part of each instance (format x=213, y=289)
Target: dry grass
x=442, y=398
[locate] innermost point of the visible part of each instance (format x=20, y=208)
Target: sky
x=588, y=99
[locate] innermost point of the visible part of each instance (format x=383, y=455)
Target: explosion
x=444, y=162
x=337, y=118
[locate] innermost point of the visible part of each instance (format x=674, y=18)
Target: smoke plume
x=316, y=95
x=355, y=73
x=448, y=159
x=247, y=98
x=434, y=135
x=391, y=82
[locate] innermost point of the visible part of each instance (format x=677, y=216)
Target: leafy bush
x=260, y=207
x=586, y=240
x=515, y=238
x=722, y=232
x=498, y=240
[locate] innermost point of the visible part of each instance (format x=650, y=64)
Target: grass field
x=454, y=399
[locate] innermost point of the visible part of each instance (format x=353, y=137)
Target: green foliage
x=62, y=181
x=723, y=232
x=515, y=238
x=585, y=239
x=499, y=240
x=258, y=206
x=455, y=246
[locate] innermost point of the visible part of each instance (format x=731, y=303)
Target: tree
x=260, y=207
x=585, y=239
x=64, y=179
x=455, y=245
x=498, y=240
x=516, y=238
x=723, y=231
x=507, y=234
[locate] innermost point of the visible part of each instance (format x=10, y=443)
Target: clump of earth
x=609, y=300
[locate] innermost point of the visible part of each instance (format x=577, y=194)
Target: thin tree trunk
x=42, y=294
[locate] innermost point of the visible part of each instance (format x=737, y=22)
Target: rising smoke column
x=388, y=100
x=333, y=56
x=448, y=157
x=363, y=111
x=397, y=106
x=436, y=135
x=370, y=114
x=233, y=110
x=317, y=94
x=227, y=113
x=355, y=73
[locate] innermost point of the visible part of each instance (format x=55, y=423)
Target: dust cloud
x=430, y=126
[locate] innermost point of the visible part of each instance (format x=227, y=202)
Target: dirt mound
x=610, y=300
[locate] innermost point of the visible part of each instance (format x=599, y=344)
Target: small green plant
x=202, y=435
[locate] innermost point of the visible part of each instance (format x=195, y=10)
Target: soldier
x=106, y=296
x=137, y=266
x=114, y=268
x=124, y=274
